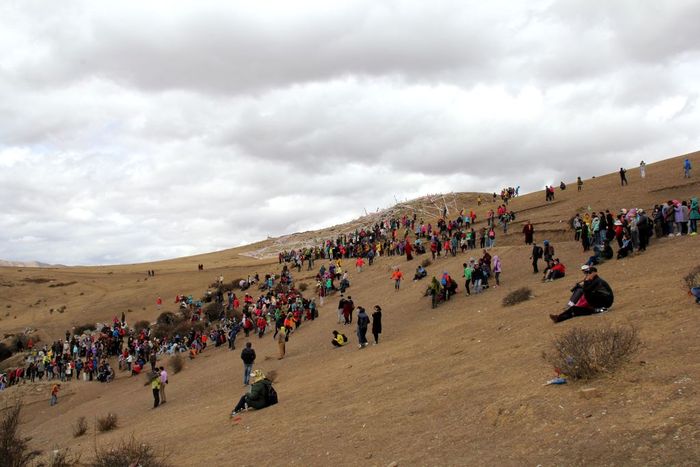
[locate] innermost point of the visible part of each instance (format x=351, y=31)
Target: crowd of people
x=280, y=306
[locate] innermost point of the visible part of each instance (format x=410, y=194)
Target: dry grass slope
x=459, y=385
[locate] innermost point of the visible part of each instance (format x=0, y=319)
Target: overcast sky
x=136, y=131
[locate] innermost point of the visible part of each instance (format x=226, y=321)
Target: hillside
x=458, y=385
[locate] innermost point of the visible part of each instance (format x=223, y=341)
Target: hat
x=257, y=375
x=546, y=242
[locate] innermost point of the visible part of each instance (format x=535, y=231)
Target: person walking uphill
x=623, y=177
x=376, y=323
x=261, y=395
x=362, y=324
x=248, y=357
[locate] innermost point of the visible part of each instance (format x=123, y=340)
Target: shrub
x=177, y=363
x=586, y=353
x=692, y=279
x=19, y=342
x=63, y=284
x=5, y=351
x=14, y=449
x=167, y=317
x=141, y=325
x=303, y=286
x=517, y=296
x=426, y=262
x=129, y=453
x=79, y=330
x=63, y=458
x=80, y=427
x=107, y=423
x=213, y=311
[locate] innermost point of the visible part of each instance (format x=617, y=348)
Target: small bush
x=80, y=427
x=63, y=284
x=5, y=351
x=586, y=353
x=517, y=296
x=692, y=279
x=63, y=458
x=79, y=330
x=213, y=311
x=14, y=449
x=303, y=286
x=177, y=363
x=129, y=453
x=167, y=317
x=107, y=423
x=141, y=325
x=426, y=262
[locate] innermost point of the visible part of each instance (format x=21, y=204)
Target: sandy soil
x=459, y=385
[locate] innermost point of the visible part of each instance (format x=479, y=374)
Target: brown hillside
x=458, y=385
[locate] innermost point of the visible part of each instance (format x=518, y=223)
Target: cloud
x=146, y=131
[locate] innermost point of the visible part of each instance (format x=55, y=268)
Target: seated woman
x=339, y=340
x=420, y=273
x=626, y=247
x=592, y=295
x=555, y=271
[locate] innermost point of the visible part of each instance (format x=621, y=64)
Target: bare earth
x=459, y=385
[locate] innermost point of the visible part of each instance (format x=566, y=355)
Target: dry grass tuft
x=107, y=423
x=177, y=363
x=426, y=262
x=692, y=279
x=586, y=353
x=517, y=296
x=129, y=453
x=303, y=286
x=80, y=427
x=14, y=449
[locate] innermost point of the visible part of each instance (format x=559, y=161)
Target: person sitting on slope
x=592, y=295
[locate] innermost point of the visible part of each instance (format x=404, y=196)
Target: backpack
x=271, y=397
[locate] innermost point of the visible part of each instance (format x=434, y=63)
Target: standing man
x=642, y=169
x=623, y=177
x=248, y=357
x=163, y=382
x=377, y=323
x=362, y=324
x=155, y=388
x=536, y=256
x=686, y=168
x=579, y=183
x=529, y=231
x=341, y=307
x=348, y=308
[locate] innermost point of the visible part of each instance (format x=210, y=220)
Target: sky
x=138, y=131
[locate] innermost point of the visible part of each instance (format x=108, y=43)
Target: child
x=54, y=394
